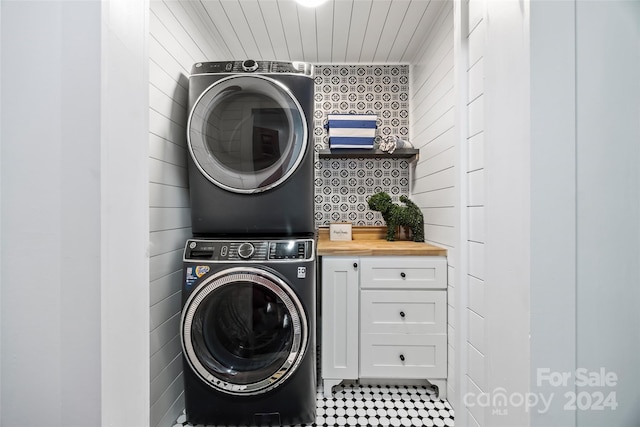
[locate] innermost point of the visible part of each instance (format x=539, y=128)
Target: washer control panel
x=252, y=66
x=242, y=250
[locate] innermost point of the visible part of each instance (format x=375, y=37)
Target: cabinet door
x=340, y=319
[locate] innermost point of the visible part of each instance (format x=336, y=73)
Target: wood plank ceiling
x=338, y=31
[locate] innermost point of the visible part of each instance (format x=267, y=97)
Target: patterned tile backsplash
x=342, y=186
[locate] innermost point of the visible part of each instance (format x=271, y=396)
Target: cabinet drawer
x=405, y=272
x=403, y=356
x=403, y=312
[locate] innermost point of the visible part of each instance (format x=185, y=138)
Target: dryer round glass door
x=243, y=331
x=247, y=134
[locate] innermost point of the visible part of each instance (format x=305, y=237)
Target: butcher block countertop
x=372, y=241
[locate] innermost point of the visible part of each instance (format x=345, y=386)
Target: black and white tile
x=373, y=406
x=342, y=186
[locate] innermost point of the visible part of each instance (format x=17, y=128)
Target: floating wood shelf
x=400, y=153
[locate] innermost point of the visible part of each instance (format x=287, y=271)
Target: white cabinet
x=340, y=294
x=384, y=318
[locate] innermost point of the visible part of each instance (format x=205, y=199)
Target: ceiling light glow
x=311, y=3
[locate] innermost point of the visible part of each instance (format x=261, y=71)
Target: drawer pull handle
x=402, y=357
x=403, y=275
x=355, y=265
x=402, y=314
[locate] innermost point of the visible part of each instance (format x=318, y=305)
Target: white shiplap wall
x=178, y=38
x=473, y=282
x=433, y=131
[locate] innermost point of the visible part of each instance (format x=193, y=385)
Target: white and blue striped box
x=352, y=130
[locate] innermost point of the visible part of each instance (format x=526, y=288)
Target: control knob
x=249, y=65
x=246, y=250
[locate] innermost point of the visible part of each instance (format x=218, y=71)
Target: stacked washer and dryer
x=249, y=290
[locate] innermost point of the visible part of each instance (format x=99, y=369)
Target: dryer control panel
x=252, y=66
x=249, y=250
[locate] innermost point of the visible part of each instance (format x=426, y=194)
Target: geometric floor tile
x=364, y=406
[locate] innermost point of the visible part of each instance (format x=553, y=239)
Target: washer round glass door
x=247, y=134
x=243, y=331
